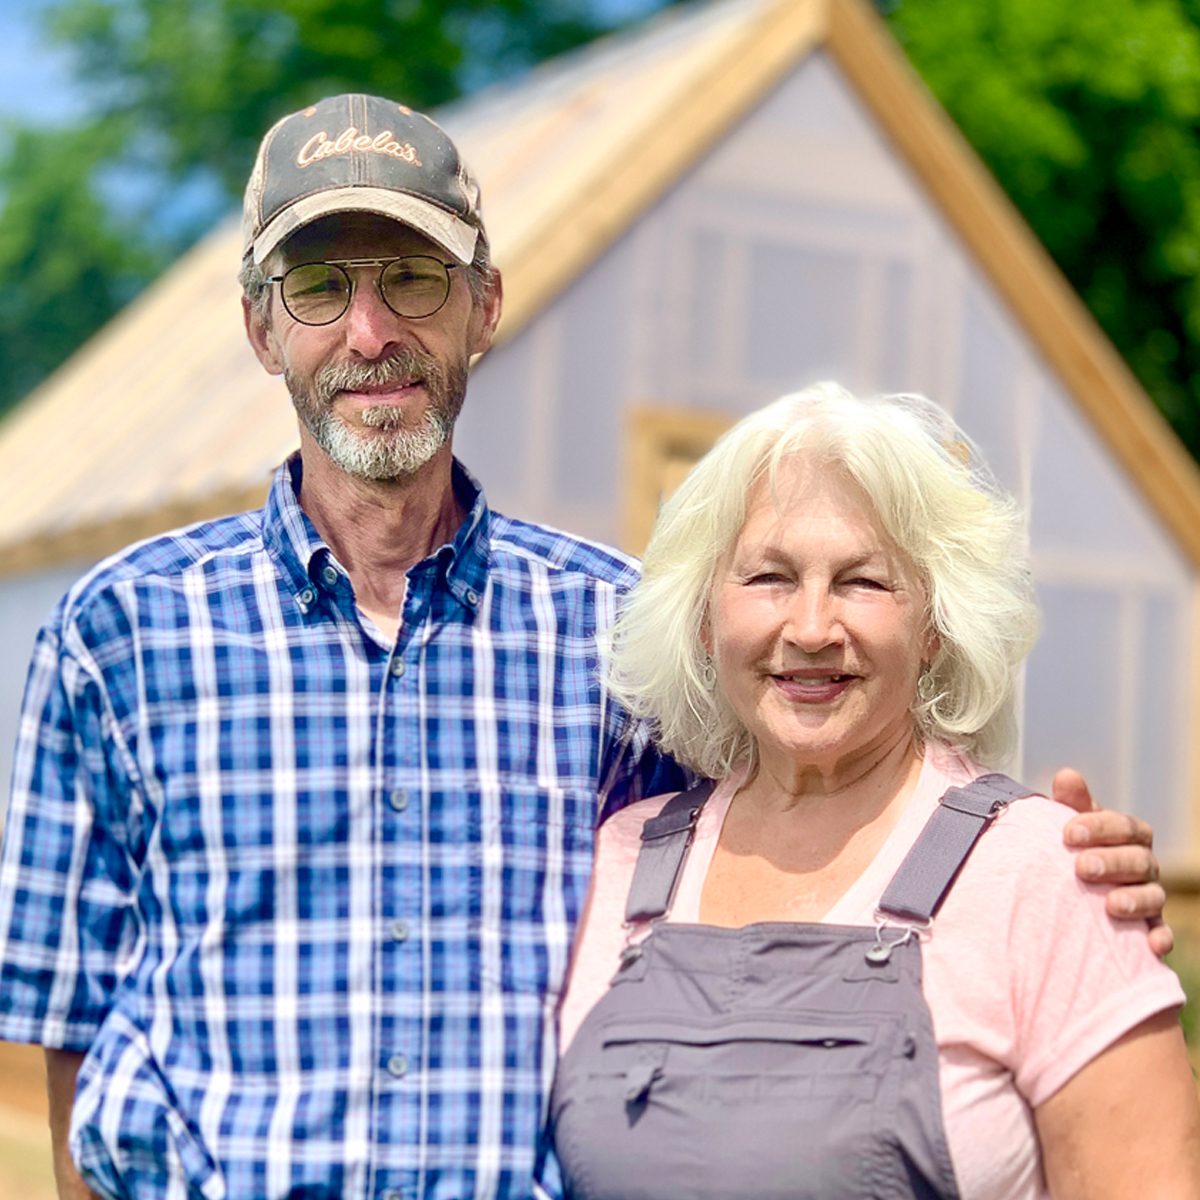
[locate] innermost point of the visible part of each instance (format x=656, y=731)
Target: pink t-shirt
x=1026, y=977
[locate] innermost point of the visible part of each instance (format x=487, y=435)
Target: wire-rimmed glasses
x=318, y=293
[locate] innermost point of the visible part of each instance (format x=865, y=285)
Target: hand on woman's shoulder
x=1023, y=867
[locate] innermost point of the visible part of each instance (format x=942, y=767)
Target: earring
x=708, y=674
x=926, y=685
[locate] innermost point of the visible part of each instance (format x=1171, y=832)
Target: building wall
x=25, y=602
x=801, y=249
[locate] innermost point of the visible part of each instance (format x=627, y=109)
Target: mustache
x=402, y=367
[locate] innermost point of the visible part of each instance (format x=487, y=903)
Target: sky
x=35, y=81
x=37, y=86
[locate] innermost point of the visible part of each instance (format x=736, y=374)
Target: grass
x=1185, y=960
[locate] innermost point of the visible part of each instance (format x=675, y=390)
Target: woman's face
x=818, y=624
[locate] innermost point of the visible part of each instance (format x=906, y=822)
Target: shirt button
x=398, y=799
x=391, y=1194
x=398, y=1066
x=396, y=668
x=399, y=931
x=472, y=597
x=330, y=575
x=305, y=598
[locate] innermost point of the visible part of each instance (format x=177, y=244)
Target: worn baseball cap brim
x=454, y=235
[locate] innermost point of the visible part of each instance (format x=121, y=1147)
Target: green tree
x=68, y=260
x=199, y=80
x=179, y=92
x=1089, y=116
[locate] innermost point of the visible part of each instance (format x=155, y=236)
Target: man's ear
x=486, y=316
x=261, y=338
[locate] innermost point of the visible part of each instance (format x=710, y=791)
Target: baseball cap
x=357, y=153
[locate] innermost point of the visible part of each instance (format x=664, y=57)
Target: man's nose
x=370, y=328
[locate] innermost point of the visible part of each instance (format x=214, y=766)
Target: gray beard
x=387, y=449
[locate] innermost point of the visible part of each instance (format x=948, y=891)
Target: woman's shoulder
x=1024, y=842
x=1033, y=821
x=1019, y=877
x=1029, y=831
x=1029, y=958
x=624, y=827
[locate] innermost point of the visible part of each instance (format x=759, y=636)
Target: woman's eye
x=867, y=581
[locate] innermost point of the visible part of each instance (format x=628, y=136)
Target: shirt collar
x=301, y=554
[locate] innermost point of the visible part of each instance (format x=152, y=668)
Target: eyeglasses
x=318, y=293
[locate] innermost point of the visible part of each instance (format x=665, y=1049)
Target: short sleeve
x=1078, y=980
x=67, y=878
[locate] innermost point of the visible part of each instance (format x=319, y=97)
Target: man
x=304, y=798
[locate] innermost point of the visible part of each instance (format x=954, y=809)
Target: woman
x=833, y=615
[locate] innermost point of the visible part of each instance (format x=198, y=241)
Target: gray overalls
x=775, y=1060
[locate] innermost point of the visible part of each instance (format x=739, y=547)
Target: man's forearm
x=62, y=1066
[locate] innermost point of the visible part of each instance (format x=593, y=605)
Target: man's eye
x=321, y=287
x=408, y=277
x=314, y=284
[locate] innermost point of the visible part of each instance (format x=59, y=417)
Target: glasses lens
x=316, y=293
x=415, y=287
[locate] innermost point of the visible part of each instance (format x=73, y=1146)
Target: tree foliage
x=67, y=260
x=199, y=80
x=1089, y=116
x=179, y=93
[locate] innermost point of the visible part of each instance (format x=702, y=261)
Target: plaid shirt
x=304, y=898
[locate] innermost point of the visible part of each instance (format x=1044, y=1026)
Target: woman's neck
x=876, y=771
x=794, y=841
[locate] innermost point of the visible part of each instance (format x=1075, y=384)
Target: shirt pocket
x=528, y=864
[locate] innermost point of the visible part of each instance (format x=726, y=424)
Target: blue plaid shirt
x=306, y=899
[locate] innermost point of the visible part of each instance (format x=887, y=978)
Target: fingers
x=1107, y=828
x=1118, y=851
x=1118, y=865
x=1140, y=902
x=1162, y=940
x=1070, y=788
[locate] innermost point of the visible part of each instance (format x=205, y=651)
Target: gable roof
x=165, y=416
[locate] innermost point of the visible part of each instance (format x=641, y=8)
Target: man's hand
x=1117, y=850
x=62, y=1067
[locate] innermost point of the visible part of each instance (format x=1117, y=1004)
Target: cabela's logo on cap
x=320, y=146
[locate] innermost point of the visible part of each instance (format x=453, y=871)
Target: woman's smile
x=813, y=686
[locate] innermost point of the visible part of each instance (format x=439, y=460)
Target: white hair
x=933, y=497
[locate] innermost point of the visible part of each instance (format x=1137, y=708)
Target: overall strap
x=923, y=880
x=665, y=842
